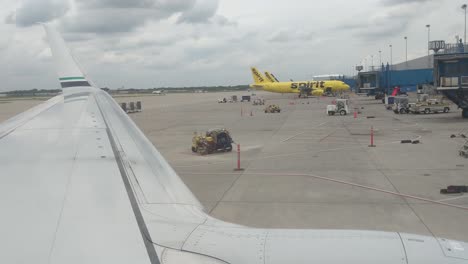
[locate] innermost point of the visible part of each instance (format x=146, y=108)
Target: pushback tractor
x=341, y=107
x=215, y=140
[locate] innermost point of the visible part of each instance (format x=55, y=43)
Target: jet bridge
x=368, y=82
x=451, y=73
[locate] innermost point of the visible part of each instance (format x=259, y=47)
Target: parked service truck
x=430, y=106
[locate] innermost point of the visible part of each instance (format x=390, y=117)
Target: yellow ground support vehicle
x=272, y=109
x=215, y=140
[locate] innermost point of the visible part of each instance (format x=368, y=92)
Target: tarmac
x=305, y=169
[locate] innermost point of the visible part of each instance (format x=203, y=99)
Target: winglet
x=69, y=73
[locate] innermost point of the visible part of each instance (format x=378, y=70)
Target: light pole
x=428, y=37
x=372, y=62
x=380, y=58
x=406, y=47
x=391, y=67
x=391, y=55
x=464, y=8
x=428, y=40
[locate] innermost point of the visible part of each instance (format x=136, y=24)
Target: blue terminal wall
x=351, y=82
x=407, y=80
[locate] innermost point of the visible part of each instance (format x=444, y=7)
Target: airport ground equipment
x=423, y=97
x=258, y=101
x=430, y=106
x=341, y=107
x=454, y=189
x=272, y=109
x=233, y=99
x=222, y=101
x=397, y=91
x=378, y=95
x=401, y=105
x=131, y=107
x=343, y=96
x=215, y=140
x=124, y=107
x=245, y=98
x=138, y=106
x=388, y=100
x=464, y=150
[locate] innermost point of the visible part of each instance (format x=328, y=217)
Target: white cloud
x=146, y=43
x=30, y=12
x=202, y=12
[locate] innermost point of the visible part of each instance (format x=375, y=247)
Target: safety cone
x=238, y=160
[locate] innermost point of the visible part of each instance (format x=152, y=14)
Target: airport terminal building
x=446, y=71
x=407, y=75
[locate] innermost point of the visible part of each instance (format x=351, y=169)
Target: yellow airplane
x=315, y=88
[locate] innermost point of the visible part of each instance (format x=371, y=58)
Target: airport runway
x=304, y=169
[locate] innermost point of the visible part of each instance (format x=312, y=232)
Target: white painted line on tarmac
x=298, y=134
x=350, y=184
x=453, y=198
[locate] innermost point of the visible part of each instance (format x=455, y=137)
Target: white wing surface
x=80, y=183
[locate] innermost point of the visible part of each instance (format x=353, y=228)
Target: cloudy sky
x=156, y=43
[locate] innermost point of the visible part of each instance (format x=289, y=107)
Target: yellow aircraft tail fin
x=270, y=77
x=274, y=77
x=257, y=76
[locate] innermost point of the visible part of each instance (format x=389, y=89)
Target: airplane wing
x=80, y=183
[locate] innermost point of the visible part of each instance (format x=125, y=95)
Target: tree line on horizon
x=38, y=92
